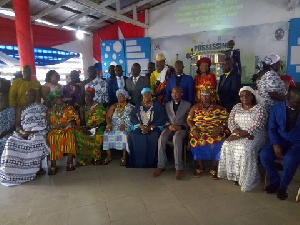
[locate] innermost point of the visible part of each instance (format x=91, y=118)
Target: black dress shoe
x=271, y=188
x=282, y=194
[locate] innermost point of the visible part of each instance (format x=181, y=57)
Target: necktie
x=134, y=80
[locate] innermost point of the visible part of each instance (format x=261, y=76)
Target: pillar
x=24, y=34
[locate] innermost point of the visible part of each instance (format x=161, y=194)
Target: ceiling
x=87, y=15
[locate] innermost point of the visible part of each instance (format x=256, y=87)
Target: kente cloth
x=206, y=121
x=101, y=88
x=62, y=140
x=21, y=158
x=18, y=89
x=159, y=87
x=7, y=122
x=116, y=139
x=238, y=160
x=88, y=146
x=200, y=82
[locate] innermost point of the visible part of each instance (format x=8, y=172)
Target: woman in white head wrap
x=269, y=85
x=118, y=126
x=239, y=154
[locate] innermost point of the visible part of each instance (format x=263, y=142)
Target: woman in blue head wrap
x=118, y=126
x=148, y=118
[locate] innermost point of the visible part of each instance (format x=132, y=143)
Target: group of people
x=223, y=122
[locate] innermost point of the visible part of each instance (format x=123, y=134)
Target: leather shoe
x=179, y=174
x=271, y=188
x=157, y=172
x=282, y=194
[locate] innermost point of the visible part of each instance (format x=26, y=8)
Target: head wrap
x=123, y=92
x=271, y=59
x=212, y=91
x=204, y=60
x=90, y=89
x=51, y=96
x=248, y=88
x=160, y=57
x=146, y=89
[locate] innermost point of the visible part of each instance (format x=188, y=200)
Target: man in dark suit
x=229, y=85
x=235, y=54
x=135, y=84
x=177, y=111
x=184, y=81
x=283, y=144
x=115, y=82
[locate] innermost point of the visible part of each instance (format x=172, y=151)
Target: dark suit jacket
x=228, y=89
x=182, y=112
x=134, y=90
x=112, y=84
x=187, y=85
x=277, y=124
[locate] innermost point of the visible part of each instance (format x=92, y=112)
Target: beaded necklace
x=120, y=109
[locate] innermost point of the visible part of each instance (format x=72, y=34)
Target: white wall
x=85, y=47
x=216, y=15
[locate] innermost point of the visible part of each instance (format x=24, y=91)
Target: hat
x=204, y=60
x=160, y=57
x=146, y=89
x=271, y=59
x=90, y=89
x=248, y=88
x=123, y=92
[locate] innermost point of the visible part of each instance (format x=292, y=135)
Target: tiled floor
x=111, y=194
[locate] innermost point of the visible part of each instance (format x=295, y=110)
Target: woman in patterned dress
x=239, y=154
x=52, y=78
x=270, y=87
x=89, y=137
x=204, y=78
x=7, y=120
x=118, y=127
x=208, y=123
x=61, y=137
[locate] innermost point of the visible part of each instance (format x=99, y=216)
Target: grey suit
x=178, y=137
x=134, y=90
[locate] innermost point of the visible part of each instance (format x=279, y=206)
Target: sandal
x=97, y=162
x=197, y=173
x=213, y=175
x=70, y=167
x=53, y=170
x=123, y=161
x=107, y=161
x=41, y=172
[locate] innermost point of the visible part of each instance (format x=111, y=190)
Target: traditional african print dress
x=101, y=88
x=270, y=82
x=21, y=158
x=208, y=147
x=117, y=139
x=89, y=146
x=7, y=122
x=239, y=157
x=209, y=81
x=62, y=140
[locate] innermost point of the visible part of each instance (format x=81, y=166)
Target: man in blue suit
x=284, y=143
x=186, y=83
x=229, y=86
x=115, y=82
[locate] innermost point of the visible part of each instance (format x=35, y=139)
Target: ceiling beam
x=111, y=14
x=49, y=9
x=163, y=5
x=3, y=2
x=124, y=10
x=74, y=18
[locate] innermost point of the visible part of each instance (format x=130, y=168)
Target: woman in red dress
x=204, y=78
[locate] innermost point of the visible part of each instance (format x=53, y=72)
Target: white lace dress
x=238, y=161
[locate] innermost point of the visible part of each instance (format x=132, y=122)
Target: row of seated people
x=270, y=72
x=232, y=140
